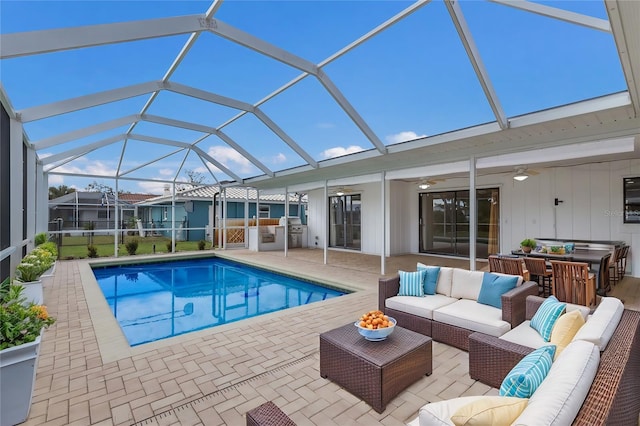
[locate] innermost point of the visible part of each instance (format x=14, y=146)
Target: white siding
x=591, y=208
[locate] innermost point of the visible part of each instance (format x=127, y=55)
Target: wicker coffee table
x=374, y=371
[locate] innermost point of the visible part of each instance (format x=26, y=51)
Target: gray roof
x=233, y=194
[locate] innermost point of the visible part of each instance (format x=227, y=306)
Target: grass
x=76, y=247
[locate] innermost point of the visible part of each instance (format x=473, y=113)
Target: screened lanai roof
x=273, y=93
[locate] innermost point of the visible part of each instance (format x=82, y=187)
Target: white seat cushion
x=420, y=306
x=525, y=335
x=602, y=323
x=561, y=394
x=473, y=316
x=466, y=284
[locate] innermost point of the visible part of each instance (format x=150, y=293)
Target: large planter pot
x=33, y=292
x=17, y=378
x=49, y=272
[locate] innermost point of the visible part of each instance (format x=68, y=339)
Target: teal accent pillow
x=431, y=278
x=546, y=316
x=523, y=379
x=412, y=283
x=494, y=286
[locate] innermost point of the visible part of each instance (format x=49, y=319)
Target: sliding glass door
x=444, y=222
x=345, y=221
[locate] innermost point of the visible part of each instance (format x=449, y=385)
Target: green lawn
x=76, y=247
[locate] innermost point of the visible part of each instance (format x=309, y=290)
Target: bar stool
x=573, y=283
x=613, y=265
x=514, y=266
x=604, y=281
x=537, y=267
x=495, y=265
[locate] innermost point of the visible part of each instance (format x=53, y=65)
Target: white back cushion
x=602, y=324
x=584, y=310
x=561, y=394
x=444, y=281
x=466, y=284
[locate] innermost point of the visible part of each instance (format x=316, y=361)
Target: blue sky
x=412, y=80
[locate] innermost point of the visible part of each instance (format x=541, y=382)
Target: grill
x=295, y=230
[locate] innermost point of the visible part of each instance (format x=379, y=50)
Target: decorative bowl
x=378, y=334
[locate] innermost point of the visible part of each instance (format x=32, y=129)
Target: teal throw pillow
x=431, y=278
x=523, y=379
x=545, y=318
x=412, y=283
x=494, y=286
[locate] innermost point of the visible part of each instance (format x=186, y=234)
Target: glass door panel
x=345, y=221
x=444, y=219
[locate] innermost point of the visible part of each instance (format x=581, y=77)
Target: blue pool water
x=153, y=301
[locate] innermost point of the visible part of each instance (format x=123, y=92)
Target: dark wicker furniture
x=614, y=397
x=513, y=312
x=268, y=414
x=374, y=371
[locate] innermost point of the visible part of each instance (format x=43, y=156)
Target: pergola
x=91, y=124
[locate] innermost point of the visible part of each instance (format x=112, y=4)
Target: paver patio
x=214, y=376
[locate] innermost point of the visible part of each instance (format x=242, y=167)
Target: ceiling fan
x=341, y=190
x=522, y=173
x=426, y=182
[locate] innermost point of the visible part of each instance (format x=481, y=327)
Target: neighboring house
x=93, y=210
x=195, y=209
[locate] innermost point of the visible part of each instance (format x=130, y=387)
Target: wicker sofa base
x=614, y=397
x=451, y=335
x=268, y=414
x=411, y=322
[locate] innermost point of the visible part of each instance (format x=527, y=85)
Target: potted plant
x=21, y=325
x=528, y=244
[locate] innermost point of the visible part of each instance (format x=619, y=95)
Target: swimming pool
x=154, y=301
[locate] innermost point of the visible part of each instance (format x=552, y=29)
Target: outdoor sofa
x=614, y=393
x=453, y=312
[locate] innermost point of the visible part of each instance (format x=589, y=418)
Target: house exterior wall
x=591, y=208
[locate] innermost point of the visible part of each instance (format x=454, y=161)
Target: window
x=264, y=211
x=632, y=200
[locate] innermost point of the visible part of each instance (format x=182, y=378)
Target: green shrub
x=201, y=244
x=92, y=251
x=40, y=238
x=51, y=247
x=20, y=322
x=34, y=264
x=131, y=246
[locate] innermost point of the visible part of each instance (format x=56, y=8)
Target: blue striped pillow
x=546, y=316
x=523, y=379
x=412, y=283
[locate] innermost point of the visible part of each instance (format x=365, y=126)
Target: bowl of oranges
x=375, y=325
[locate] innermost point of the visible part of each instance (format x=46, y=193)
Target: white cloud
x=231, y=159
x=56, y=180
x=166, y=172
x=339, y=151
x=83, y=165
x=279, y=158
x=152, y=187
x=403, y=137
